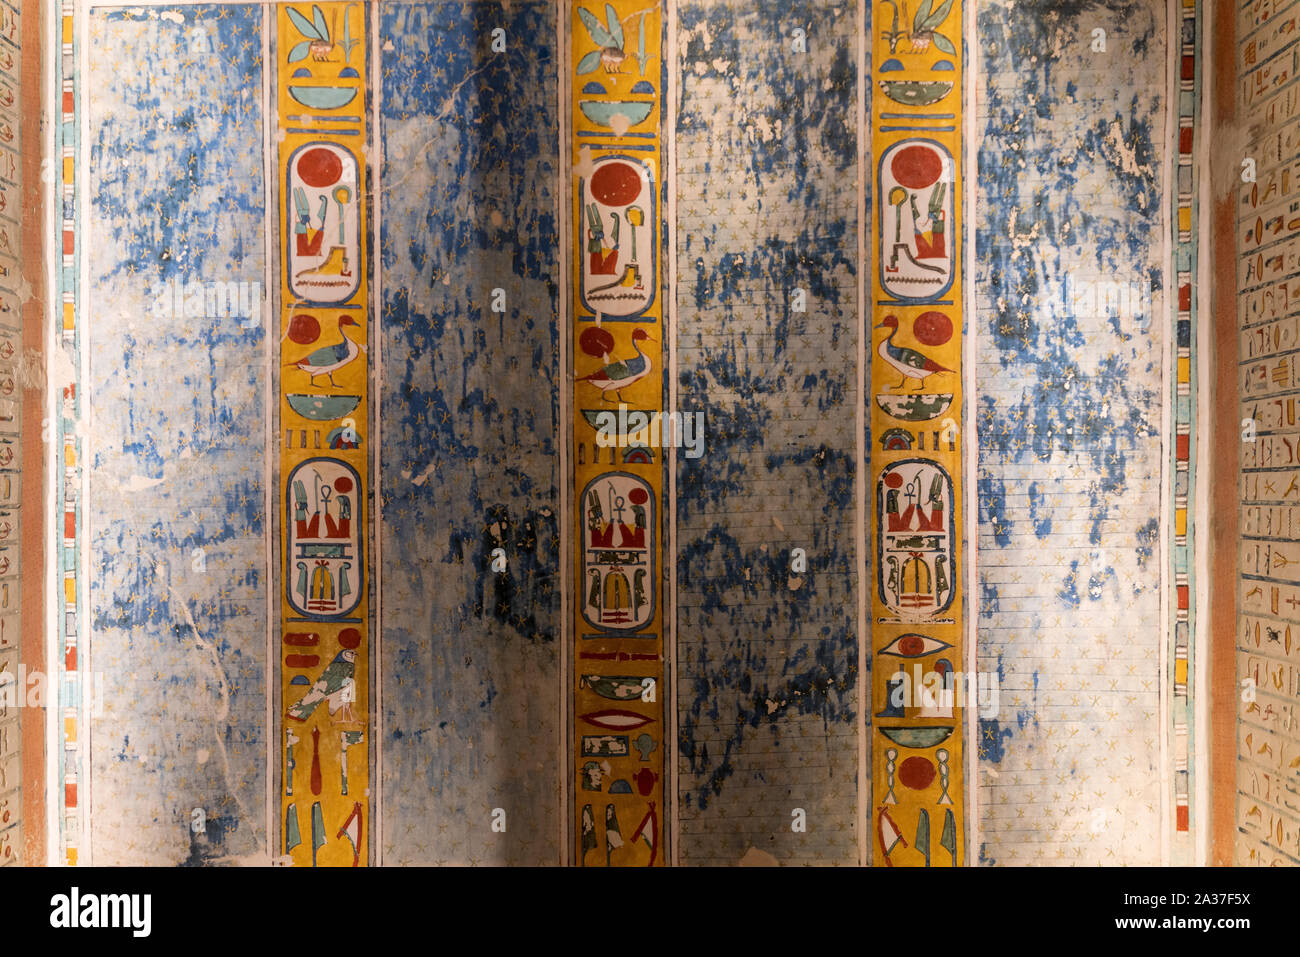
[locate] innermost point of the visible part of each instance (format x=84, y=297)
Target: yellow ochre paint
x=915, y=493
x=618, y=331
x=323, y=436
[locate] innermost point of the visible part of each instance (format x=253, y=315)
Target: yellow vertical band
x=915, y=496
x=618, y=334
x=324, y=706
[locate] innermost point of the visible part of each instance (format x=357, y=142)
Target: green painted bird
x=330, y=359
x=910, y=363
x=335, y=684
x=618, y=375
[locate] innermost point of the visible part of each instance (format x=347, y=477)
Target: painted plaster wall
x=1068, y=416
x=176, y=511
x=470, y=418
x=767, y=205
x=1070, y=335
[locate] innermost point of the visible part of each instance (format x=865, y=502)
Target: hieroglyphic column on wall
x=915, y=489
x=324, y=649
x=13, y=647
x=1268, y=285
x=616, y=780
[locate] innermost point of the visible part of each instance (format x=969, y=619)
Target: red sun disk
x=916, y=773
x=616, y=184
x=916, y=167
x=596, y=341
x=304, y=329
x=932, y=328
x=319, y=167
x=351, y=638
x=343, y=484
x=894, y=480
x=638, y=496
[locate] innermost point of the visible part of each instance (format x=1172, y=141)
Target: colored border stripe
x=1181, y=658
x=68, y=546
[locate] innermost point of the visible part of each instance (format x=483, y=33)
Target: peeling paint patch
x=470, y=431
x=1071, y=308
x=187, y=541
x=767, y=207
